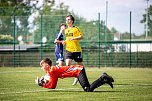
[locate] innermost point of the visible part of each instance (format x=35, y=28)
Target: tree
x=10, y=11
x=149, y=20
x=46, y=20
x=113, y=30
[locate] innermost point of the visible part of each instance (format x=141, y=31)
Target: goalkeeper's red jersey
x=62, y=72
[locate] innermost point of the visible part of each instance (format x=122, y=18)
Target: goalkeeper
x=56, y=72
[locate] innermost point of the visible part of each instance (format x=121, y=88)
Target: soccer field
x=135, y=84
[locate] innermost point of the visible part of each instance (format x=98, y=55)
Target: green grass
x=135, y=84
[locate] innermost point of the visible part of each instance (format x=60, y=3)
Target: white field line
x=36, y=91
x=5, y=72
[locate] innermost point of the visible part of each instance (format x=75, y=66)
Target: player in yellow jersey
x=73, y=49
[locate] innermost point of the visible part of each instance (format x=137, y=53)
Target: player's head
x=62, y=26
x=69, y=19
x=46, y=63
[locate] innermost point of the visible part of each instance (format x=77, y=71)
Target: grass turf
x=135, y=84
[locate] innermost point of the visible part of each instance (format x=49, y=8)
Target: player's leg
x=105, y=78
x=75, y=81
x=69, y=58
x=83, y=80
x=61, y=59
x=60, y=63
x=108, y=79
x=57, y=56
x=77, y=58
x=68, y=62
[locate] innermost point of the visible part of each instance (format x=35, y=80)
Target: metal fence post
x=41, y=38
x=99, y=40
x=130, y=41
x=105, y=44
x=14, y=39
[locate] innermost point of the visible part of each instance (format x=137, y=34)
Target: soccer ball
x=46, y=78
x=42, y=80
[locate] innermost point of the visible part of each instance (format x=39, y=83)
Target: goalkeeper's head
x=46, y=63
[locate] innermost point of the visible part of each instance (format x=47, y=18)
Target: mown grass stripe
x=35, y=91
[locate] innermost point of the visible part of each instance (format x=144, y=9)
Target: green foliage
x=6, y=38
x=47, y=22
x=149, y=20
x=6, y=27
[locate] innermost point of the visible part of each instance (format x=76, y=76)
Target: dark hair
x=62, y=24
x=46, y=60
x=71, y=17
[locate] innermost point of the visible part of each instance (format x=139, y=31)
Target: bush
x=6, y=38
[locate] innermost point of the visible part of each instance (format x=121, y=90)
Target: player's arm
x=77, y=38
x=64, y=42
x=58, y=41
x=40, y=81
x=52, y=83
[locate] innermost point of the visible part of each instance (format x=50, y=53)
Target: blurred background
x=116, y=33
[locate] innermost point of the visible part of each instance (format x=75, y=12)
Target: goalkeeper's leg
x=83, y=80
x=105, y=78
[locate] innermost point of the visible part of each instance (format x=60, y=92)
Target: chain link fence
x=30, y=39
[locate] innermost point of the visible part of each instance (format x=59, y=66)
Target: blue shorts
x=59, y=57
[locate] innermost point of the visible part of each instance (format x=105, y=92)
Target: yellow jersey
x=73, y=45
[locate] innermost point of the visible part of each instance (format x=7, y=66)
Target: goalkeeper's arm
x=40, y=81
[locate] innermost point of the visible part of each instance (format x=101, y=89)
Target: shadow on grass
x=80, y=90
x=56, y=90
x=86, y=92
x=132, y=84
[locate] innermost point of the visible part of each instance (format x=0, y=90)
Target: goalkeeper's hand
x=39, y=81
